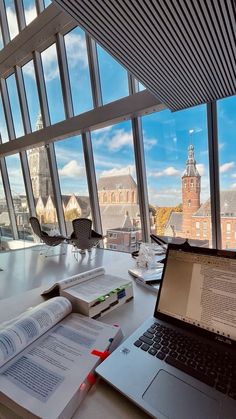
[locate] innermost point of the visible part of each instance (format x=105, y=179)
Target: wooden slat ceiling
x=183, y=51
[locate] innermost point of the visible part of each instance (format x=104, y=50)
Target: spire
x=191, y=169
x=39, y=122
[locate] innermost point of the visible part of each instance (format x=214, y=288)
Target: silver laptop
x=181, y=363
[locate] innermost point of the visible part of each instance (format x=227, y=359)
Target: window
x=3, y=127
x=73, y=181
x=15, y=105
x=114, y=80
x=115, y=170
x=226, y=112
x=30, y=10
x=32, y=95
x=42, y=188
x=197, y=224
x=53, y=84
x=5, y=224
x=20, y=203
x=172, y=141
x=77, y=59
x=11, y=18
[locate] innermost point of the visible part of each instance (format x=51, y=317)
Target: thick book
x=47, y=356
x=94, y=293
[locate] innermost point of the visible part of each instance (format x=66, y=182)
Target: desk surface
x=102, y=401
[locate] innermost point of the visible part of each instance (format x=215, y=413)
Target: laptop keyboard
x=201, y=361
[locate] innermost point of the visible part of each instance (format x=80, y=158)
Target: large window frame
x=129, y=108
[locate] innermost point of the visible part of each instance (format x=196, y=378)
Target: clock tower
x=191, y=189
x=39, y=168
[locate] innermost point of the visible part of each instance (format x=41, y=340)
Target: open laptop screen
x=200, y=289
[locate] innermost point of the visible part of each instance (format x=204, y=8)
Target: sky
x=166, y=135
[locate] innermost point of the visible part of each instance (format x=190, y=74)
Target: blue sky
x=166, y=135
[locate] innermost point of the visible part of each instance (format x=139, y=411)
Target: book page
x=28, y=327
x=45, y=378
x=75, y=279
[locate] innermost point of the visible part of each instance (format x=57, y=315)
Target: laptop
x=181, y=363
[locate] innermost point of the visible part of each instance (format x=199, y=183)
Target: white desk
x=102, y=402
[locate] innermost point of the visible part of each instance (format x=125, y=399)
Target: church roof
x=191, y=169
x=114, y=216
x=227, y=205
x=116, y=182
x=175, y=221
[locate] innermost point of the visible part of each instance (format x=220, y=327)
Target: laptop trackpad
x=176, y=399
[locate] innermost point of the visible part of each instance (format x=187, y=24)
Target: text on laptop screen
x=201, y=290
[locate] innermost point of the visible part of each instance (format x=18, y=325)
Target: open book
x=46, y=357
x=94, y=293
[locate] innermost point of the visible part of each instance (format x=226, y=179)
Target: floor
x=25, y=269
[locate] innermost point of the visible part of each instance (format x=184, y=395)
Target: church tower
x=39, y=169
x=191, y=189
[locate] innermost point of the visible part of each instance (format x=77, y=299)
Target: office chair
x=50, y=241
x=83, y=237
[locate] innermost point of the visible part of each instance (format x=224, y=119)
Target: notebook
x=181, y=363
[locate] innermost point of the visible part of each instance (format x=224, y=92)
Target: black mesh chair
x=50, y=241
x=83, y=237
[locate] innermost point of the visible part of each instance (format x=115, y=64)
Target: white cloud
x=149, y=143
x=233, y=186
x=50, y=63
x=233, y=175
x=12, y=22
x=226, y=167
x=201, y=169
x=169, y=171
x=76, y=50
x=72, y=169
x=30, y=14
x=130, y=169
x=120, y=139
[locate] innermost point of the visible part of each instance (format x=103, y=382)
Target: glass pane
x=73, y=180
x=42, y=188
x=11, y=18
x=47, y=3
x=78, y=71
x=19, y=198
x=5, y=224
x=53, y=84
x=176, y=154
x=1, y=40
x=226, y=111
x=30, y=10
x=114, y=78
x=3, y=126
x=117, y=186
x=15, y=105
x=31, y=93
